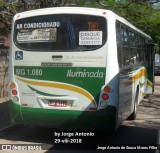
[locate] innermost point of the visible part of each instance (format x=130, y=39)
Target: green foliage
x=143, y=17
x=138, y=12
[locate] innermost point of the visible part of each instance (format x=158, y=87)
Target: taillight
x=103, y=104
x=104, y=100
x=92, y=108
x=107, y=89
x=12, y=85
x=14, y=92
x=15, y=99
x=105, y=96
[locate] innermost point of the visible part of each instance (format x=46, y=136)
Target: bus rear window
x=60, y=32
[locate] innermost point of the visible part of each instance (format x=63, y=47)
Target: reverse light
x=103, y=103
x=15, y=99
x=105, y=96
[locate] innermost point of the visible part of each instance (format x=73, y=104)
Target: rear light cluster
x=105, y=96
x=14, y=92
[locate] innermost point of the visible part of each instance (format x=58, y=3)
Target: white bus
x=74, y=67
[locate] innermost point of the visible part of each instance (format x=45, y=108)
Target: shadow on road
x=4, y=114
x=148, y=113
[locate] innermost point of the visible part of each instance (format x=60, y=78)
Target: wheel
x=146, y=96
x=134, y=113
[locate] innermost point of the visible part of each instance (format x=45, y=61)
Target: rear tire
x=146, y=96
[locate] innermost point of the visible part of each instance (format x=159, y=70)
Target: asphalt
x=4, y=113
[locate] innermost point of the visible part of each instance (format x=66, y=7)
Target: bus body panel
x=134, y=60
x=62, y=83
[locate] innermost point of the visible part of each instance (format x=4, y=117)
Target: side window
x=135, y=57
x=118, y=37
x=125, y=46
x=141, y=49
x=130, y=38
x=118, y=34
x=125, y=37
x=131, y=46
x=133, y=39
x=126, y=57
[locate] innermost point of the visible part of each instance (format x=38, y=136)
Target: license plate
x=57, y=103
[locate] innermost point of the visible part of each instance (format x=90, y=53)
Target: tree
x=143, y=16
x=138, y=12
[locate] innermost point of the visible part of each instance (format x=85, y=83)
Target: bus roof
x=80, y=10
x=124, y=21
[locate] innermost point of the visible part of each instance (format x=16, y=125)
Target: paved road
x=4, y=113
x=140, y=132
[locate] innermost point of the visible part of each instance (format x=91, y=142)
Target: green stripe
x=141, y=84
x=43, y=93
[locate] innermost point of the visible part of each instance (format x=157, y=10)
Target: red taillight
x=14, y=92
x=92, y=108
x=24, y=104
x=105, y=96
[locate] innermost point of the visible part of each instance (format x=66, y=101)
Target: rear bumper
x=104, y=119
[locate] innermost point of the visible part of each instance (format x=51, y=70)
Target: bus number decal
x=34, y=71
x=93, y=26
x=20, y=72
x=29, y=72
x=90, y=38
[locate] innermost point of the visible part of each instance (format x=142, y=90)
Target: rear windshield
x=60, y=32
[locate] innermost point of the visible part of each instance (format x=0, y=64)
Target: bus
x=77, y=68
